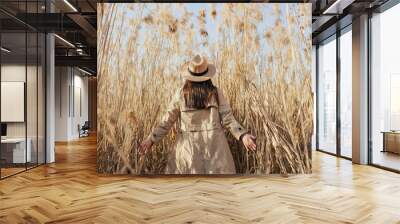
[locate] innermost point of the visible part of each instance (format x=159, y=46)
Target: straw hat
x=199, y=70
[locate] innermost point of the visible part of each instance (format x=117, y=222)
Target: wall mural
x=204, y=88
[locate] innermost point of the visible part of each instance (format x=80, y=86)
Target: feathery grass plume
x=264, y=69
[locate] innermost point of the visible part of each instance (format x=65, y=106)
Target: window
x=327, y=96
x=346, y=93
x=385, y=89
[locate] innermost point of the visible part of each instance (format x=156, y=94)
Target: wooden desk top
x=391, y=132
x=13, y=140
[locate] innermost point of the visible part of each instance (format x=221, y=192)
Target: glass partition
x=13, y=105
x=22, y=88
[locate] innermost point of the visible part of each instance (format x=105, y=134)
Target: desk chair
x=84, y=130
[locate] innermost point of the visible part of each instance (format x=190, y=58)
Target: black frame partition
x=27, y=50
x=334, y=37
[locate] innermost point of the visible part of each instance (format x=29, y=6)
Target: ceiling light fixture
x=84, y=71
x=70, y=5
x=338, y=6
x=5, y=50
x=65, y=41
x=80, y=51
x=326, y=11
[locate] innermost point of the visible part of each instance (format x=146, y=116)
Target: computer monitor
x=3, y=129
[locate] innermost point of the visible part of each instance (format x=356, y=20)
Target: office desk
x=13, y=150
x=391, y=141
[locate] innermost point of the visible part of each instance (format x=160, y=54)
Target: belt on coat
x=200, y=127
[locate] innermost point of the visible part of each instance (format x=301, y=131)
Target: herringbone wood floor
x=70, y=191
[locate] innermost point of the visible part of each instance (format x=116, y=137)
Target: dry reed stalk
x=142, y=50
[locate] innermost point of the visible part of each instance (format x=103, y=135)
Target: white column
x=50, y=99
x=360, y=90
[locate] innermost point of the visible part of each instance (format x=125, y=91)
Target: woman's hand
x=249, y=142
x=145, y=146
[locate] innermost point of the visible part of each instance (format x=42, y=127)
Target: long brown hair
x=198, y=94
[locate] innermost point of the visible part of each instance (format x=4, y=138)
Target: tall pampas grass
x=265, y=74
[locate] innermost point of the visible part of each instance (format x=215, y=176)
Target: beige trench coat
x=201, y=147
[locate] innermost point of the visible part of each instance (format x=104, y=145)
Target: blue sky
x=211, y=25
x=269, y=17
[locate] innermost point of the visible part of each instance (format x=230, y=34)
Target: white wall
x=33, y=127
x=10, y=73
x=62, y=82
x=71, y=94
x=16, y=72
x=79, y=117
